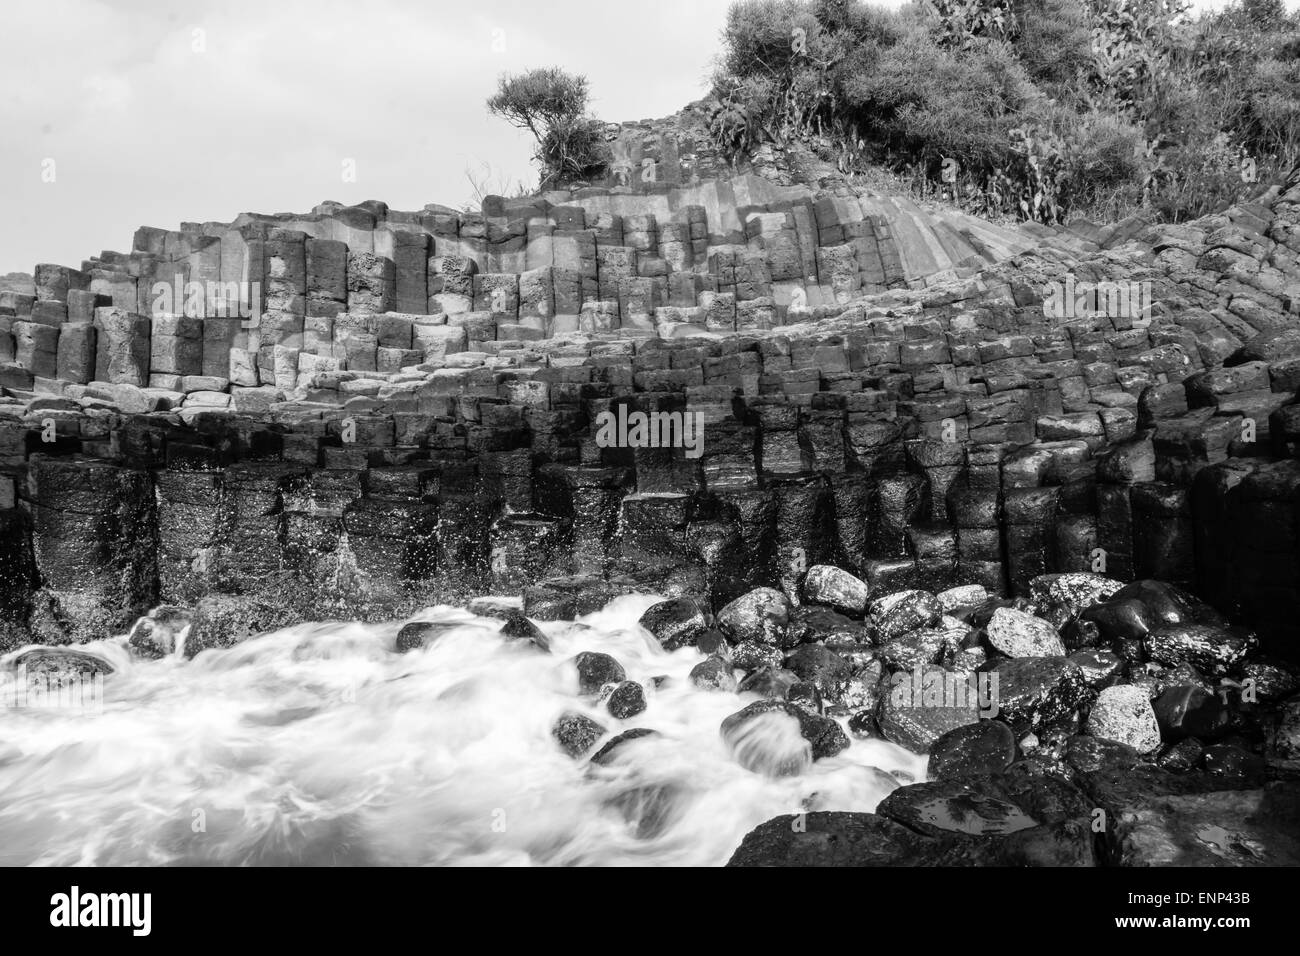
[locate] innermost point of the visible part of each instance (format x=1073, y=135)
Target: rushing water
x=320, y=744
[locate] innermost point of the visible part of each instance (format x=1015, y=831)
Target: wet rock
x=805, y=695
x=1225, y=760
x=1086, y=754
x=872, y=777
x=1078, y=633
x=609, y=751
x=1165, y=677
x=420, y=634
x=1035, y=693
x=713, y=642
x=1018, y=634
x=821, y=667
x=863, y=726
x=1200, y=820
x=1100, y=668
x=226, y=620
x=914, y=649
x=1269, y=680
x=676, y=623
x=1067, y=843
x=1214, y=650
x=828, y=839
x=862, y=690
x=968, y=660
x=991, y=804
x=1181, y=757
x=1284, y=741
x=1121, y=620
x=764, y=745
x=1169, y=604
x=771, y=682
x=158, y=635
x=918, y=708
x=577, y=733
x=987, y=746
x=836, y=588
x=56, y=664
x=519, y=628
x=714, y=673
x=762, y=616
x=499, y=608
x=595, y=670
x=752, y=656
x=549, y=603
x=821, y=624
x=966, y=595
x=1060, y=597
x=895, y=614
x=626, y=700
x=1185, y=710
x=866, y=839
x=1124, y=713
x=981, y=614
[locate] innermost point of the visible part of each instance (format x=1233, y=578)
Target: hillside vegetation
x=1040, y=109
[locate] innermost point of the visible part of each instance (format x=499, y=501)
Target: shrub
x=1050, y=108
x=551, y=104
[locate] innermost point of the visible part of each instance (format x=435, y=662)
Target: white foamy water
x=319, y=744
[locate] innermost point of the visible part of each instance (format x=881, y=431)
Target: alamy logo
x=939, y=688
x=1116, y=300
x=651, y=430
x=37, y=690
x=74, y=909
x=212, y=300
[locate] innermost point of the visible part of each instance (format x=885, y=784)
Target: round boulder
x=832, y=586
x=1124, y=713
x=595, y=670
x=1017, y=634
x=577, y=733
x=762, y=616
x=626, y=700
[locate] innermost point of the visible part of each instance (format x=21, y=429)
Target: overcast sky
x=156, y=113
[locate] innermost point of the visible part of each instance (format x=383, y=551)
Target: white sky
x=144, y=129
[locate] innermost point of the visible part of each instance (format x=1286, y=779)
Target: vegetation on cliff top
x=551, y=104
x=1044, y=109
x=1038, y=109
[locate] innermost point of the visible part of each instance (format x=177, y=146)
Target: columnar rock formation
x=378, y=409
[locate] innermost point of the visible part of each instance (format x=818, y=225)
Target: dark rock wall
x=945, y=431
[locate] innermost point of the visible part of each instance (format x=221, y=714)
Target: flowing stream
x=321, y=745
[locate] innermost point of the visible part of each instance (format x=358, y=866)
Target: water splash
x=319, y=744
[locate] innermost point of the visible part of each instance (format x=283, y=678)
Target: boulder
x=1123, y=713
x=595, y=670
x=676, y=623
x=627, y=699
x=765, y=737
x=984, y=747
x=895, y=614
x=761, y=616
x=714, y=673
x=1018, y=634
x=829, y=585
x=1213, y=650
x=577, y=733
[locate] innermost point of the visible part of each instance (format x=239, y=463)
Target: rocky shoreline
x=1133, y=725
x=916, y=479
x=1091, y=723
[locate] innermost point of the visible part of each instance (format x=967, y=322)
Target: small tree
x=552, y=105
